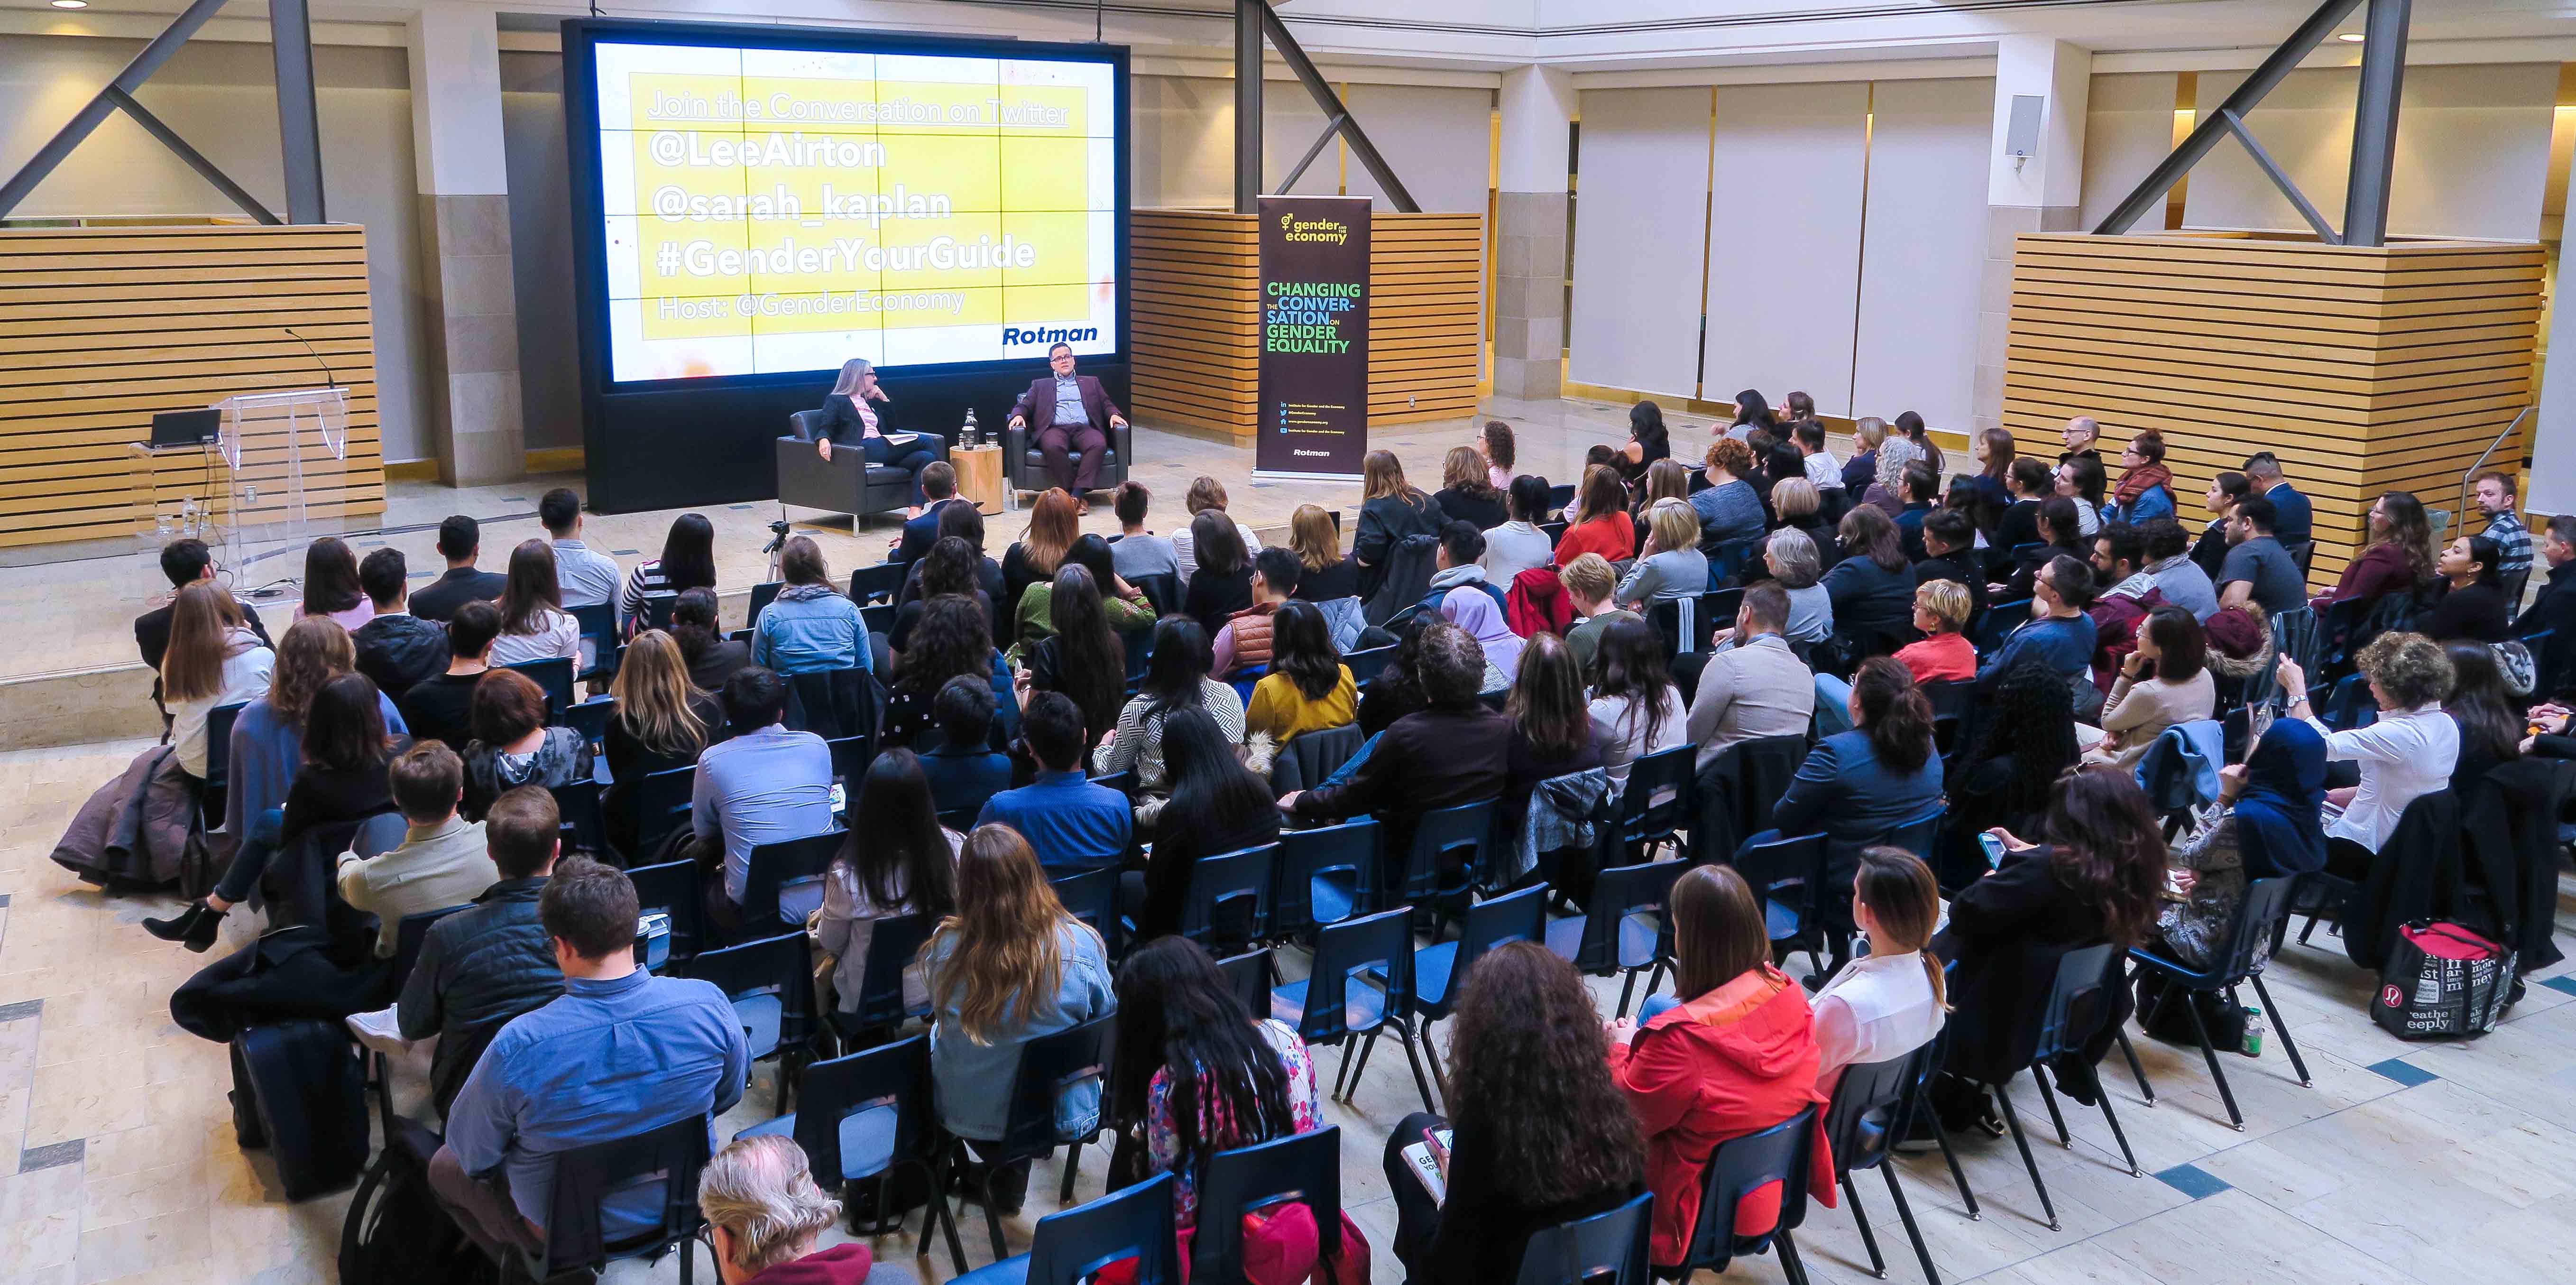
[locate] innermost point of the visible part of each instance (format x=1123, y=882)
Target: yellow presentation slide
x=788, y=209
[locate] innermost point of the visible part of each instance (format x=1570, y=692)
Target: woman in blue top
x=1729, y=508
x=2146, y=489
x=812, y=626
x=1856, y=786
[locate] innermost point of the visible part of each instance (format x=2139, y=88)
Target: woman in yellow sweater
x=1308, y=687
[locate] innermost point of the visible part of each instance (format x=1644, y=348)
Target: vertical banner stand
x=1314, y=338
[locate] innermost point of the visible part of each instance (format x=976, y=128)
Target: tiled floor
x=2430, y=1164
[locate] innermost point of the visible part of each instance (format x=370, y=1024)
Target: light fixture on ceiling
x=2349, y=37
x=70, y=4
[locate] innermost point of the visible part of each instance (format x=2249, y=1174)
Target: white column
x=1537, y=105
x=2041, y=192
x=464, y=194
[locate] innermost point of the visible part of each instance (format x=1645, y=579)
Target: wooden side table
x=979, y=475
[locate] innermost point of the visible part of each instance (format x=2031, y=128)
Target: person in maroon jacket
x=764, y=1214
x=1071, y=415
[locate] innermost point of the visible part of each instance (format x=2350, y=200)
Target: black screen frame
x=626, y=424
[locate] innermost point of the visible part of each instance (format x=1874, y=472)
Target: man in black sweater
x=460, y=541
x=440, y=707
x=1949, y=543
x=185, y=562
x=396, y=649
x=479, y=968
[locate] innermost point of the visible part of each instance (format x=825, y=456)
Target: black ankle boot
x=194, y=927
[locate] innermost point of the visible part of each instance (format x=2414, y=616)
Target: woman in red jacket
x=1735, y=1056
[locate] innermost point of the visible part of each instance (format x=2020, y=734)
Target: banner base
x=1274, y=475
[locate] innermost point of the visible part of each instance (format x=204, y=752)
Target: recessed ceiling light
x=2349, y=37
x=70, y=4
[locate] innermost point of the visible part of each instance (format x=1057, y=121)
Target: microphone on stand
x=329, y=378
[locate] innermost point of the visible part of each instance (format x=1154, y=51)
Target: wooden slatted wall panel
x=2365, y=370
x=1195, y=319
x=100, y=327
x=1427, y=300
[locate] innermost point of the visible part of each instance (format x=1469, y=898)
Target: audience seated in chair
x=1055, y=522
x=1797, y=569
x=1598, y=522
x=460, y=545
x=1551, y=727
x=2058, y=635
x=1729, y=507
x=1591, y=586
x=971, y=571
x=712, y=658
x=938, y=481
x=1456, y=750
x=1755, y=687
x=513, y=745
x=1176, y=678
x=1518, y=545
x=1204, y=494
x=1308, y=687
x=586, y=576
x=1941, y=610
x=2266, y=823
x=2164, y=681
x=1218, y=806
x=811, y=626
x=1125, y=606
x=1467, y=491
x=483, y=966
x=1325, y=573
x=1736, y=1055
x=2127, y=594
x=2176, y=576
x=186, y=562
x=1635, y=708
x=1458, y=563
x=535, y=624
x=1083, y=654
x=1221, y=584
x=2018, y=741
x=688, y=562
x=1010, y=965
x=901, y=862
x=1672, y=566
x=210, y=658
x=1949, y=553
x=953, y=640
x=1138, y=552
x=2408, y=752
x=2257, y=569
x=764, y=785
x=619, y=1053
x=661, y=722
x=1196, y=1073
x=1890, y=1001
x=396, y=649
x=1540, y=1133
x=1244, y=641
x=963, y=768
x=1872, y=586
x=441, y=862
x=2396, y=553
x=765, y=1216
x=2469, y=602
x=1071, y=823
x=1859, y=784
x=1391, y=510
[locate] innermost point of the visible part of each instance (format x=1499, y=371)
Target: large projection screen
x=754, y=206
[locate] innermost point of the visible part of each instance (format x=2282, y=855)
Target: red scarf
x=2135, y=482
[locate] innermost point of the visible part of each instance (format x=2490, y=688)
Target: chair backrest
x=783, y=882
x=1495, y=921
x=2294, y=634
x=850, y=758
x=408, y=936
x=1717, y=610
x=1871, y=1105
x=1123, y=782
x=661, y=802
x=1249, y=974
x=858, y=1115
x=1740, y=1167
x=1608, y=1248
x=591, y=718
x=219, y=741
x=597, y=622
x=1915, y=833
x=379, y=834
x=1050, y=1067
x=893, y=943
x=554, y=674
x=1997, y=623
x=762, y=594
x=1367, y=661
x=677, y=889
x=1786, y=874
x=584, y=1176
x=1559, y=495
x=1346, y=852
x=882, y=581
x=770, y=983
x=1230, y=891
x=2075, y=1001
x=1657, y=799
x=2303, y=553
x=2350, y=706
x=1625, y=926
x=1310, y=758
x=1382, y=942
x=1305, y=1167
x=577, y=804
x=1092, y=897
x=1135, y=1223
x=1450, y=838
x=2267, y=902
x=1163, y=589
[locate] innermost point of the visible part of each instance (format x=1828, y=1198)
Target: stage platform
x=71, y=676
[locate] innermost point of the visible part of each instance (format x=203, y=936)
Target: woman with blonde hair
x=213, y=659
x=849, y=421
x=1941, y=609
x=1870, y=432
x=1800, y=506
x=534, y=625
x=1673, y=568
x=662, y=720
x=1466, y=494
x=1665, y=479
x=1010, y=964
x=1390, y=510
x=1890, y=1001
x=1329, y=574
x=1055, y=522
x=1205, y=493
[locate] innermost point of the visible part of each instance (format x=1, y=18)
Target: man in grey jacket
x=479, y=968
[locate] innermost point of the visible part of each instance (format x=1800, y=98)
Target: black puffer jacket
x=478, y=969
x=400, y=650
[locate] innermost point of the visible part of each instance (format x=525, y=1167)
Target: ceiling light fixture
x=70, y=4
x=2349, y=37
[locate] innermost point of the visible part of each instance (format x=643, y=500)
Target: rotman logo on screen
x=1021, y=336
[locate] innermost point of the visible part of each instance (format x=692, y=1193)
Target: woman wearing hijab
x=1477, y=614
x=2265, y=824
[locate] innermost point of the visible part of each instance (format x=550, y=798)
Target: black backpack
x=396, y=1233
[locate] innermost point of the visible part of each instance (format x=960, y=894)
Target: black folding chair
x=869, y=1117
x=676, y=889
x=771, y=984
x=1872, y=1107
x=1305, y=1167
x=1050, y=1067
x=1739, y=1167
x=554, y=675
x=2236, y=961
x=1361, y=984
x=782, y=884
x=1625, y=931
x=586, y=1176
x=2077, y=1007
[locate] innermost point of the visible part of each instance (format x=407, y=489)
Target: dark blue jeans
x=914, y=459
x=259, y=843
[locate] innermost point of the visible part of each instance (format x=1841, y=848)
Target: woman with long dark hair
x=1648, y=441
x=1222, y=584
x=1390, y=510
x=1308, y=687
x=1081, y=656
x=688, y=562
x=1121, y=605
x=534, y=625
x=331, y=586
x=952, y=640
x=2081, y=479
x=1538, y=1134
x=1994, y=452
x=902, y=862
x=1221, y=807
x=2165, y=681
x=1635, y=708
x=951, y=567
x=2017, y=744
x=1753, y=414
x=710, y=656
x=1599, y=522
x=1735, y=1056
x=1551, y=725
x=2396, y=552
x=1195, y=1073
x=2490, y=722
x=1495, y=444
x=2472, y=604
x=1911, y=425
x=1872, y=585
x=1176, y=679
x=1855, y=786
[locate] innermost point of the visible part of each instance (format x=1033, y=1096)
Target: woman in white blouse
x=1636, y=710
x=213, y=659
x=1889, y=1002
x=534, y=625
x=2408, y=753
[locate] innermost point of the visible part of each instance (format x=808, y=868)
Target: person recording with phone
x=849, y=421
x=1071, y=415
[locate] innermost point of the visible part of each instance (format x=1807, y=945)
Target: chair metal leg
x=1072, y=1166
x=1941, y=1134
x=1794, y=1267
x=1431, y=1055
x=1868, y=1238
x=1922, y=1252
x=2209, y=1054
x=940, y=1215
x=2012, y=1120
x=2117, y=1132
x=688, y=1259
x=1404, y=1036
x=1360, y=1068
x=2130, y=1051
x=2048, y=1098
x=1627, y=991
x=2281, y=1027
x=1342, y=1070
x=992, y=1219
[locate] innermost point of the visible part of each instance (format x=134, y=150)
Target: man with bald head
x=2083, y=433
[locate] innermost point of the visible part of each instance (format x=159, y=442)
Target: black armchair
x=1025, y=465
x=845, y=483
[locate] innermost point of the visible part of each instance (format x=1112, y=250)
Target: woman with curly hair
x=1730, y=507
x=953, y=640
x=2408, y=752
x=2396, y=554
x=1538, y=1134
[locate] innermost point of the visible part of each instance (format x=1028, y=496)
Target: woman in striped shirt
x=688, y=562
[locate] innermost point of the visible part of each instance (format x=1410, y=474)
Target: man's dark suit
x=922, y=532
x=1089, y=440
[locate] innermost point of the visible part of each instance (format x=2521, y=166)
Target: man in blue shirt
x=2059, y=635
x=620, y=1053
x=766, y=785
x=2292, y=517
x=1072, y=823
x=964, y=770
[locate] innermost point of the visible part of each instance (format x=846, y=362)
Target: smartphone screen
x=1994, y=849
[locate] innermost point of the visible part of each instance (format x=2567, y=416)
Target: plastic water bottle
x=2253, y=1031
x=966, y=435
